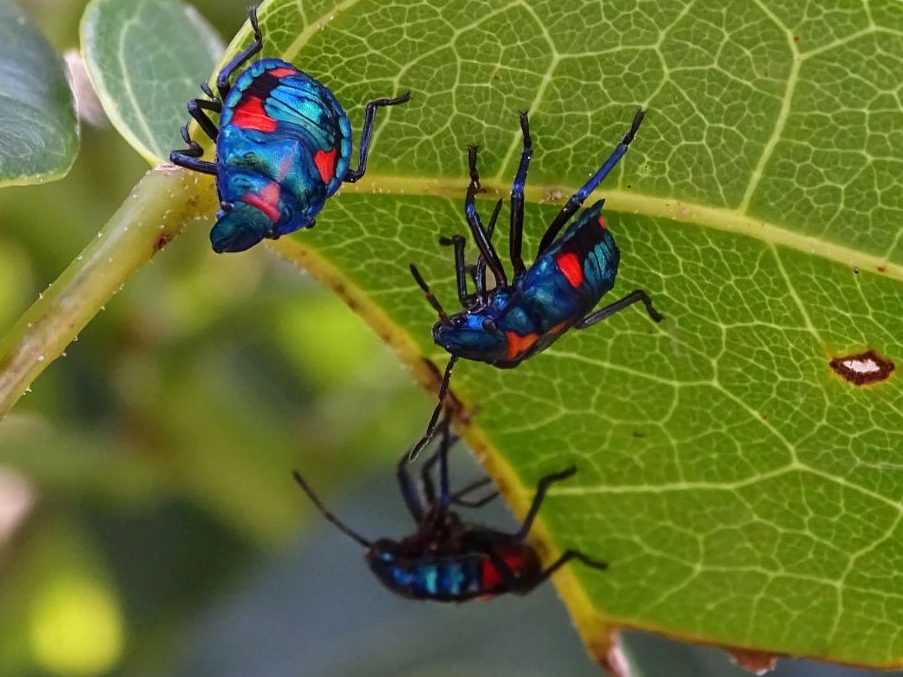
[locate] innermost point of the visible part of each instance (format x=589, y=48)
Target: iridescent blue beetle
x=448, y=559
x=505, y=325
x=282, y=148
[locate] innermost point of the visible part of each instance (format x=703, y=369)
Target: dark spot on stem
x=882, y=269
x=163, y=240
x=863, y=368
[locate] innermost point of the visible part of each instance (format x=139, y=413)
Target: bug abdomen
x=285, y=125
x=586, y=256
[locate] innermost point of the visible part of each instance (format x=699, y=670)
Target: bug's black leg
x=205, y=87
x=344, y=528
x=431, y=426
x=189, y=162
x=476, y=227
x=458, y=498
x=538, y=498
x=515, y=238
x=190, y=157
x=560, y=562
x=409, y=490
x=196, y=108
x=577, y=199
x=364, y=149
x=433, y=301
x=458, y=242
x=222, y=79
x=480, y=274
x=638, y=295
x=426, y=470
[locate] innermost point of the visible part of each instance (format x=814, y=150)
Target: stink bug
x=505, y=325
x=283, y=146
x=447, y=559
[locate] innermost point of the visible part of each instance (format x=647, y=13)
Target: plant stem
x=160, y=205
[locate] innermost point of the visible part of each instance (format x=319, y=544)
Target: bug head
x=239, y=228
x=383, y=558
x=472, y=334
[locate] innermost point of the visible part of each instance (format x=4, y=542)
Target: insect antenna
x=344, y=528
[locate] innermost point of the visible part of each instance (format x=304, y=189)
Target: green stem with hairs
x=160, y=206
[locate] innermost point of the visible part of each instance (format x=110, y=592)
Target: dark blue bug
x=448, y=559
x=507, y=324
x=282, y=148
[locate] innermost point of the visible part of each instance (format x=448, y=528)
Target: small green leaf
x=39, y=130
x=145, y=58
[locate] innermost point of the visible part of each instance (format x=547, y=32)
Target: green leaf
x=39, y=133
x=145, y=58
x=743, y=493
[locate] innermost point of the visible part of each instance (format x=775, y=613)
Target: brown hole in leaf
x=863, y=368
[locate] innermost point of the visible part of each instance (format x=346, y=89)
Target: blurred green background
x=148, y=521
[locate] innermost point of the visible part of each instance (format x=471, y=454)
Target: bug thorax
x=473, y=334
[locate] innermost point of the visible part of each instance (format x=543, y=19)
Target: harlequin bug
x=509, y=323
x=283, y=146
x=447, y=559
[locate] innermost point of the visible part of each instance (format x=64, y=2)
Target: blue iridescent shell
x=564, y=284
x=284, y=147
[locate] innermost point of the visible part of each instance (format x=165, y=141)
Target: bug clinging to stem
x=512, y=321
x=283, y=146
x=448, y=559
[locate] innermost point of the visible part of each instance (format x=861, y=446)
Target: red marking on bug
x=863, y=369
x=282, y=71
x=285, y=166
x=570, y=267
x=602, y=223
x=558, y=328
x=249, y=114
x=325, y=161
x=267, y=200
x=517, y=345
x=490, y=576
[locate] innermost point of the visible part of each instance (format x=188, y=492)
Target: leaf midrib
x=631, y=202
x=720, y=219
